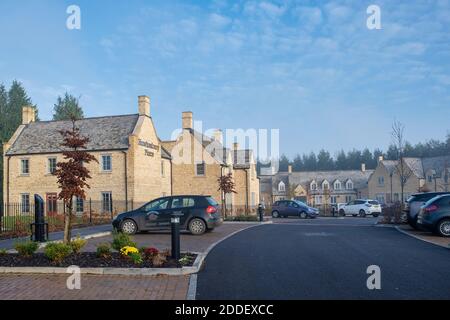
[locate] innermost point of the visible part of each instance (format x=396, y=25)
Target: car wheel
x=362, y=213
x=197, y=226
x=443, y=228
x=375, y=215
x=275, y=214
x=129, y=226
x=342, y=212
x=303, y=215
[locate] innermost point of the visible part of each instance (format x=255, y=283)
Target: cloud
x=218, y=21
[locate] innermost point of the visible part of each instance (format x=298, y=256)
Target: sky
x=311, y=69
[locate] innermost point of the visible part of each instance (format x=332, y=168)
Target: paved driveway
x=324, y=259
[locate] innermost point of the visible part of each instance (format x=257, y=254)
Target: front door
x=52, y=204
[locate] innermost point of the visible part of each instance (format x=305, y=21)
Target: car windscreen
x=211, y=201
x=302, y=204
x=374, y=202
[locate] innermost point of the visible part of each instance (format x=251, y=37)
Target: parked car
x=198, y=214
x=286, y=208
x=414, y=203
x=361, y=207
x=434, y=215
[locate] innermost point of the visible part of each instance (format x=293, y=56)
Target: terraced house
x=421, y=175
x=320, y=189
x=134, y=167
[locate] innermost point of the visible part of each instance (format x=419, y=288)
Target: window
x=200, y=169
x=25, y=166
x=381, y=181
x=396, y=197
x=337, y=185
x=51, y=165
x=430, y=178
x=25, y=203
x=380, y=198
x=162, y=169
x=229, y=200
x=348, y=199
x=182, y=203
x=325, y=185
x=349, y=185
x=333, y=199
x=281, y=187
x=79, y=202
x=318, y=199
x=313, y=186
x=253, y=199
x=106, y=201
x=157, y=205
x=106, y=163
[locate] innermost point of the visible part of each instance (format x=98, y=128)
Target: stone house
x=423, y=174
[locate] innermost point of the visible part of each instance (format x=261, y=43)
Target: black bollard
x=175, y=224
x=261, y=212
x=39, y=220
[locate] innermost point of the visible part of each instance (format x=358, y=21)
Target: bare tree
x=403, y=171
x=291, y=191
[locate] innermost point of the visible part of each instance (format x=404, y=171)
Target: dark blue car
x=286, y=208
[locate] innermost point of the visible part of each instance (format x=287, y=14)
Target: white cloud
x=219, y=21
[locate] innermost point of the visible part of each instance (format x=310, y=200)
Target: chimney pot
x=187, y=120
x=380, y=158
x=289, y=168
x=363, y=167
x=144, y=105
x=236, y=146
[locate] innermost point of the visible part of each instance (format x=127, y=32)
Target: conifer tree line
x=352, y=160
x=12, y=100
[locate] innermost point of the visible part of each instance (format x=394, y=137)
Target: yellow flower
x=127, y=250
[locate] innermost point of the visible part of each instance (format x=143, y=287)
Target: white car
x=361, y=207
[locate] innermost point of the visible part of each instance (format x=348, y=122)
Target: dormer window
x=349, y=185
x=337, y=185
x=281, y=187
x=313, y=186
x=325, y=185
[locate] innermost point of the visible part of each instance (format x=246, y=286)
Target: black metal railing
x=15, y=218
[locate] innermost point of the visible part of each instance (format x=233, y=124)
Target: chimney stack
x=363, y=167
x=218, y=135
x=28, y=115
x=187, y=120
x=380, y=158
x=290, y=168
x=144, y=105
x=235, y=146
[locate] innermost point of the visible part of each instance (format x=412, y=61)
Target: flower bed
x=88, y=260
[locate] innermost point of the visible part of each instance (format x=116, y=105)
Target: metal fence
x=15, y=218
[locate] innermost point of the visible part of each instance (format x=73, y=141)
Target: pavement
x=114, y=287
x=426, y=236
x=325, y=258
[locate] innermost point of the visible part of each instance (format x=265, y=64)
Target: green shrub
x=3, y=252
x=136, y=257
x=104, y=250
x=26, y=248
x=57, y=252
x=186, y=260
x=121, y=240
x=77, y=244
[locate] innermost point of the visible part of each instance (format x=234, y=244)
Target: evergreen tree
x=324, y=161
x=297, y=164
x=67, y=108
x=284, y=163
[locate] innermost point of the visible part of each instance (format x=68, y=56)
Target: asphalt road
x=324, y=259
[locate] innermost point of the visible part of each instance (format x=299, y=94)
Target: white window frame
x=337, y=183
x=325, y=183
x=281, y=187
x=103, y=201
x=22, y=173
x=103, y=162
x=26, y=205
x=333, y=199
x=349, y=183
x=77, y=199
x=313, y=183
x=49, y=159
x=204, y=169
x=318, y=199
x=381, y=181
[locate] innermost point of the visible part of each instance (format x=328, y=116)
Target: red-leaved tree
x=226, y=186
x=71, y=173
